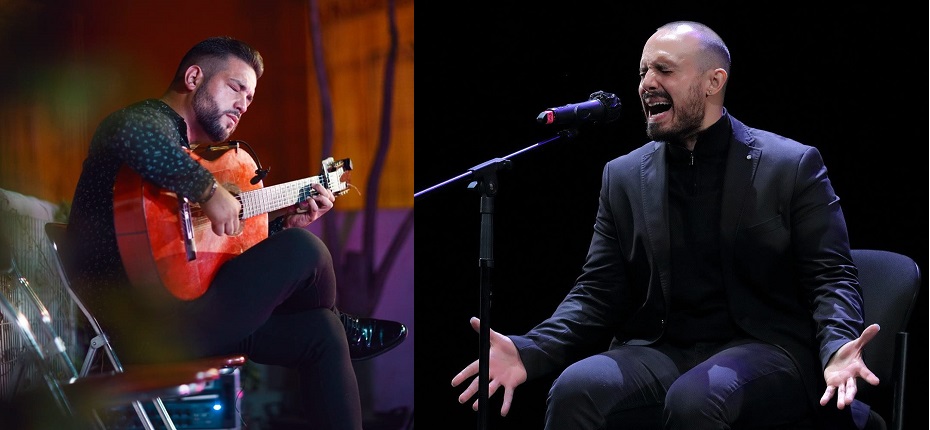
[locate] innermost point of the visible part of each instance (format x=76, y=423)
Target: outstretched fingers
x=505, y=369
x=467, y=372
x=845, y=366
x=508, y=400
x=492, y=388
x=827, y=395
x=472, y=387
x=475, y=324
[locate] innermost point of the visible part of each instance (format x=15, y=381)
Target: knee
x=302, y=242
x=571, y=388
x=687, y=401
x=683, y=400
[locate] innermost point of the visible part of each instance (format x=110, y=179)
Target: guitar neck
x=269, y=199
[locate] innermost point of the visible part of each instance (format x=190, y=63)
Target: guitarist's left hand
x=308, y=211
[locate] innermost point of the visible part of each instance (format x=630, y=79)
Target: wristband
x=210, y=193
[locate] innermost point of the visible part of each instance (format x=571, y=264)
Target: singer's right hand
x=505, y=369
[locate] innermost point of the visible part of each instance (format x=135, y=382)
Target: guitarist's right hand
x=222, y=209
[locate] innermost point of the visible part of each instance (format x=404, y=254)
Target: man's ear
x=717, y=81
x=192, y=77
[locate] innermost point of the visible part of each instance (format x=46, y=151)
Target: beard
x=689, y=116
x=209, y=117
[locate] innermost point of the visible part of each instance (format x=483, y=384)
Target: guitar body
x=159, y=249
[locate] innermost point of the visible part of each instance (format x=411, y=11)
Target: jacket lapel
x=654, y=180
x=742, y=161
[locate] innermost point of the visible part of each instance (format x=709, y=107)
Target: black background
x=851, y=81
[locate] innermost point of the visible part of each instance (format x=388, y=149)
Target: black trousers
x=275, y=303
x=739, y=384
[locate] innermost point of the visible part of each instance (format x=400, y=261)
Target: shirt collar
x=711, y=143
x=163, y=107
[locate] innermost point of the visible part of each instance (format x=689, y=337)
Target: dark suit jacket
x=787, y=269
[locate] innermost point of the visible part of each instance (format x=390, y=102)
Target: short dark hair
x=208, y=52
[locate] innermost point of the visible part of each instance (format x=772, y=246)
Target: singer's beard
x=689, y=115
x=209, y=116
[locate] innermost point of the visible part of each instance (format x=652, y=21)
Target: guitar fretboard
x=268, y=199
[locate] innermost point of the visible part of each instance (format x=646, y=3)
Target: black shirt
x=699, y=311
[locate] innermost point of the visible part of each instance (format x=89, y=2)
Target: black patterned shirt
x=148, y=136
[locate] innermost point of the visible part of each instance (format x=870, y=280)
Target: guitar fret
x=268, y=199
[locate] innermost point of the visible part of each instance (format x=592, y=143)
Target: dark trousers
x=741, y=384
x=275, y=303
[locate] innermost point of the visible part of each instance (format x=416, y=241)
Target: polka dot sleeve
x=151, y=145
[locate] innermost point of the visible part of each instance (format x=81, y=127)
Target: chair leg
x=898, y=377
x=143, y=416
x=96, y=343
x=163, y=413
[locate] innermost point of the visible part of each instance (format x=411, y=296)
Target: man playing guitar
x=274, y=300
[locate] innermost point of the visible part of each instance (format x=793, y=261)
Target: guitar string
x=279, y=198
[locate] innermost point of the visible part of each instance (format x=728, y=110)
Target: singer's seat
x=890, y=282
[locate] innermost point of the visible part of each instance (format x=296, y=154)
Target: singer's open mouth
x=654, y=108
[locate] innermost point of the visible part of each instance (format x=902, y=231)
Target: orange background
x=68, y=65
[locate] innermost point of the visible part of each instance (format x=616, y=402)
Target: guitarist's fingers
x=311, y=206
x=324, y=201
x=325, y=193
x=321, y=204
x=223, y=211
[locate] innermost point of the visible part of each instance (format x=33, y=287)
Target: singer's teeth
x=657, y=108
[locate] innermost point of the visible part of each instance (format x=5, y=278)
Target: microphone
x=600, y=107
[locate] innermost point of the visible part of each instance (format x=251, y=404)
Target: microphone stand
x=485, y=182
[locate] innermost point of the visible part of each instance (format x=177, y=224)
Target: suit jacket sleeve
x=586, y=318
x=821, y=249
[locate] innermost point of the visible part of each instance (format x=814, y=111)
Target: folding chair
x=142, y=382
x=72, y=399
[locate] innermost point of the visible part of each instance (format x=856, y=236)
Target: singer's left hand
x=308, y=211
x=845, y=367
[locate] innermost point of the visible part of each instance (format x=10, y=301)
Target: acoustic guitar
x=167, y=242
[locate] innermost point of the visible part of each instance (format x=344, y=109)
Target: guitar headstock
x=336, y=174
